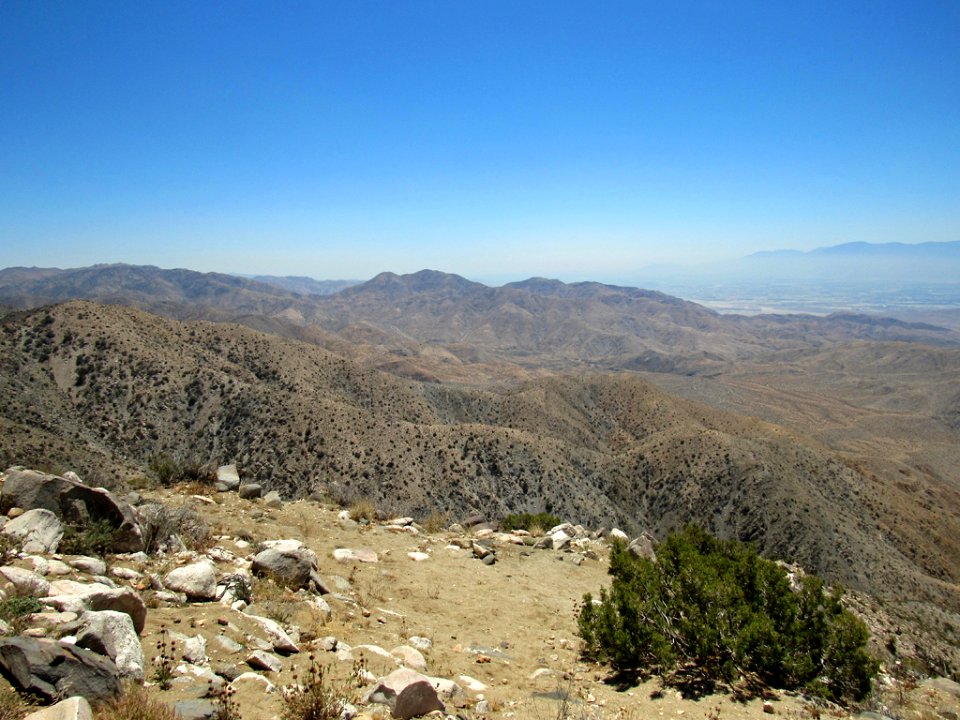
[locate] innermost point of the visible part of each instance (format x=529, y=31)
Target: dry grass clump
x=158, y=523
x=363, y=509
x=276, y=601
x=312, y=699
x=135, y=703
x=13, y=705
x=436, y=522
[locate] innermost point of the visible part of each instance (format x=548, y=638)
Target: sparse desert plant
x=169, y=470
x=224, y=697
x=436, y=522
x=94, y=538
x=526, y=521
x=275, y=600
x=14, y=706
x=164, y=660
x=239, y=586
x=135, y=703
x=16, y=610
x=363, y=509
x=158, y=523
x=312, y=697
x=715, y=610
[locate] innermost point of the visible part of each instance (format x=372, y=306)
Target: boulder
x=260, y=660
x=89, y=565
x=73, y=708
x=198, y=581
x=228, y=476
x=415, y=700
x=74, y=503
x=410, y=657
x=112, y=633
x=643, y=546
x=364, y=555
x=273, y=500
x=37, y=531
x=192, y=648
x=25, y=581
x=250, y=491
x=256, y=679
x=69, y=595
x=123, y=599
x=293, y=567
x=51, y=669
x=407, y=693
x=278, y=638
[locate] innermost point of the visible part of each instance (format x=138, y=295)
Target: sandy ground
x=510, y=626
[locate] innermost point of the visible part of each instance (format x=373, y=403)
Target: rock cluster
x=83, y=637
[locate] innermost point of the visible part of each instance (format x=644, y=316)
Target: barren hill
x=103, y=387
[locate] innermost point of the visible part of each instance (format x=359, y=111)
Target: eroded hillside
x=106, y=388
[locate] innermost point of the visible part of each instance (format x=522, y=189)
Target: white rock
x=277, y=636
x=418, y=556
x=364, y=555
x=26, y=581
x=37, y=531
x=375, y=650
x=126, y=573
x=197, y=580
x=420, y=643
x=411, y=657
x=282, y=545
x=255, y=678
x=192, y=649
x=89, y=565
x=73, y=708
x=472, y=684
x=260, y=660
x=111, y=633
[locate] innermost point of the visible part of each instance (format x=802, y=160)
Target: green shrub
x=18, y=606
x=716, y=609
x=526, y=521
x=95, y=538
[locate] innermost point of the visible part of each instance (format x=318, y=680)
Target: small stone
x=768, y=707
x=260, y=660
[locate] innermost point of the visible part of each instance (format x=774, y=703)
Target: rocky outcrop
x=37, y=531
x=72, y=502
x=112, y=633
x=52, y=669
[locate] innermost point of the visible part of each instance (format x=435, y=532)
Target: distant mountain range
x=857, y=264
x=430, y=325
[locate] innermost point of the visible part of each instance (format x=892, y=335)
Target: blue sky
x=497, y=140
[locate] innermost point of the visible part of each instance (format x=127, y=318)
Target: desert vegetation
x=707, y=610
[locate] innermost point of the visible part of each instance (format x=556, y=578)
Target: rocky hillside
x=106, y=389
x=215, y=599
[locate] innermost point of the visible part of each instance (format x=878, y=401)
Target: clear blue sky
x=488, y=138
